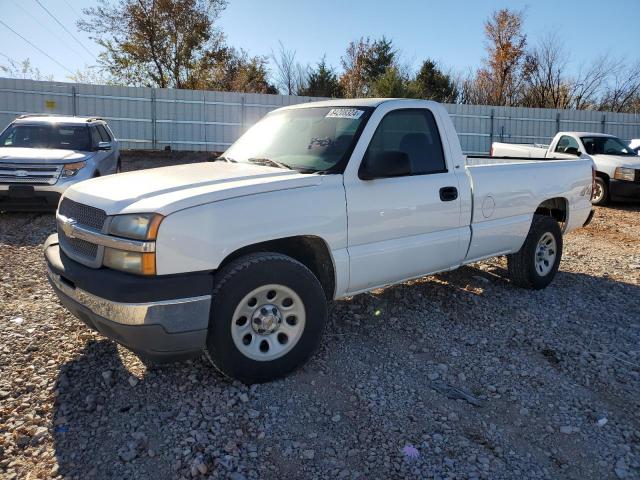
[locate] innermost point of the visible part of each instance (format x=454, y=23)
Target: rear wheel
x=267, y=317
x=600, y=195
x=537, y=262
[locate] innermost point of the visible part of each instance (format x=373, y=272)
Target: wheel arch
x=310, y=250
x=556, y=208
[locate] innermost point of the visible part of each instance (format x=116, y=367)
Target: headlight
x=137, y=226
x=130, y=262
x=625, y=174
x=70, y=169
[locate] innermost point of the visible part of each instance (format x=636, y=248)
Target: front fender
x=200, y=238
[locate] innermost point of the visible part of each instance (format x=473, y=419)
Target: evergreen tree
x=322, y=82
x=431, y=83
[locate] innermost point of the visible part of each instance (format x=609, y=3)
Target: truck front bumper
x=624, y=190
x=141, y=313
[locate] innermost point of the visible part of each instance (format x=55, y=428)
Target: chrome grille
x=87, y=216
x=82, y=247
x=84, y=214
x=15, y=173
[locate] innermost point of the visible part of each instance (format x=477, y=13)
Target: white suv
x=42, y=155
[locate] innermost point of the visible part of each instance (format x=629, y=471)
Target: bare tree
x=588, y=84
x=623, y=88
x=22, y=69
x=546, y=84
x=290, y=75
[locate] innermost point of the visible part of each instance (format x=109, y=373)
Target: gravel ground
x=458, y=375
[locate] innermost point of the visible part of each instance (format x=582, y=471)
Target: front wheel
x=267, y=317
x=536, y=263
x=600, y=195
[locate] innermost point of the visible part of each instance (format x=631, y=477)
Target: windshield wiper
x=224, y=159
x=269, y=162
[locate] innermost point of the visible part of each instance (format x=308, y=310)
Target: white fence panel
x=147, y=118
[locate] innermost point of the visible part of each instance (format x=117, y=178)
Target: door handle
x=448, y=194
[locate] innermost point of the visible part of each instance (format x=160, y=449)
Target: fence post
x=491, y=128
x=204, y=121
x=154, y=138
x=603, y=121
x=557, y=122
x=74, y=106
x=243, y=113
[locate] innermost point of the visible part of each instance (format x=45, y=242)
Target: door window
x=103, y=133
x=414, y=132
x=95, y=136
x=566, y=142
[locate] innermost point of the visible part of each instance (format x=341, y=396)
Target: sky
x=449, y=32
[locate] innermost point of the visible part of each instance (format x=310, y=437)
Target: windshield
x=606, y=146
x=67, y=137
x=307, y=139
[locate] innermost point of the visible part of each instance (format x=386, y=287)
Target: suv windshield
x=307, y=139
x=67, y=137
x=606, y=146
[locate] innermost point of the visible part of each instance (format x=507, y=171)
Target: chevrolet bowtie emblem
x=68, y=226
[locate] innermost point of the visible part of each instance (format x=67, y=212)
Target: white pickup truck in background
x=617, y=164
x=237, y=258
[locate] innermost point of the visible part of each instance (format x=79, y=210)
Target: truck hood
x=41, y=155
x=617, y=160
x=169, y=189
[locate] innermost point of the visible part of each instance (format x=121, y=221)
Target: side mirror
x=104, y=145
x=385, y=164
x=572, y=151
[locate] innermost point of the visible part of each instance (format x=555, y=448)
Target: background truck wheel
x=537, y=262
x=600, y=192
x=267, y=317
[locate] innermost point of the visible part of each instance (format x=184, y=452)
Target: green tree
x=364, y=63
x=431, y=83
x=380, y=56
x=322, y=82
x=391, y=84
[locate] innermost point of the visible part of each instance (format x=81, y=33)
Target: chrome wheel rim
x=268, y=322
x=597, y=192
x=546, y=252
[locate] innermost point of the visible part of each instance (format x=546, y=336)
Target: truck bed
x=507, y=191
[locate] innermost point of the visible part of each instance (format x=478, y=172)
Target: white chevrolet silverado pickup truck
x=617, y=164
x=237, y=258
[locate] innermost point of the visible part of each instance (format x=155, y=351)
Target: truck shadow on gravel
x=184, y=419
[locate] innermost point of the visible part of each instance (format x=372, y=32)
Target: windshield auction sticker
x=352, y=113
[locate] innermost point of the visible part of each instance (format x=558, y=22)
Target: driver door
x=405, y=226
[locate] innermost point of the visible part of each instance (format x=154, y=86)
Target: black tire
x=522, y=266
x=118, y=167
x=602, y=187
x=236, y=280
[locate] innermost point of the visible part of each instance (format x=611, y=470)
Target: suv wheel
x=267, y=317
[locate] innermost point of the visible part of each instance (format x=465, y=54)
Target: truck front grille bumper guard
x=173, y=315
